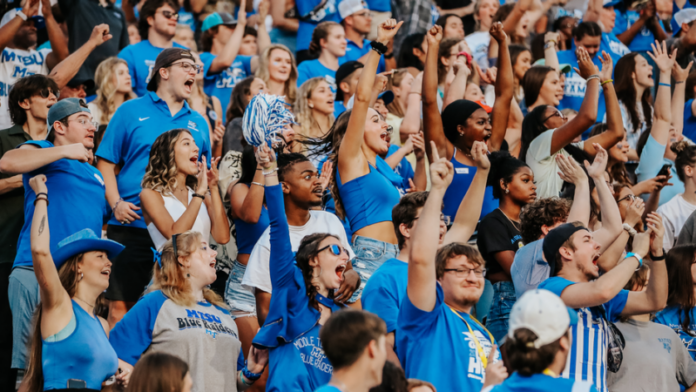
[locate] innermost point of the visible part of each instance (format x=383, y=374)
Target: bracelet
x=42, y=193
x=378, y=47
x=664, y=84
x=116, y=205
x=197, y=195
x=259, y=168
x=41, y=198
x=22, y=15
x=681, y=81
x=257, y=183
x=249, y=375
x=606, y=81
x=389, y=56
x=595, y=76
x=245, y=381
x=658, y=258
x=631, y=231
x=640, y=259
x=265, y=173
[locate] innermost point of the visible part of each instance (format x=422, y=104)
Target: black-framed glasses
x=443, y=217
x=464, y=272
x=188, y=67
x=46, y=92
x=336, y=250
x=556, y=113
x=170, y=15
x=629, y=197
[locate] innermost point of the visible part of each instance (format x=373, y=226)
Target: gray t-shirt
x=529, y=268
x=654, y=359
x=687, y=235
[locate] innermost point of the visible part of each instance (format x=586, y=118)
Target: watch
x=21, y=15
x=631, y=231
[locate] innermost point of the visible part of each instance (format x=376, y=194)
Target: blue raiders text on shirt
x=210, y=322
x=312, y=353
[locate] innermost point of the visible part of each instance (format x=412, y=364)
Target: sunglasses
x=335, y=250
x=170, y=15
x=46, y=92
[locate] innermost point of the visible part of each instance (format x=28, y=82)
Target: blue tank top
x=84, y=355
x=249, y=233
x=463, y=175
x=369, y=199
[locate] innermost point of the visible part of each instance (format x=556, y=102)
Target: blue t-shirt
x=354, y=52
x=611, y=44
x=672, y=317
x=587, y=360
x=77, y=201
x=429, y=343
x=379, y=5
x=541, y=383
x=220, y=84
x=141, y=60
x=315, y=69
x=404, y=169
x=300, y=365
x=675, y=7
x=385, y=290
x=339, y=108
x=642, y=40
x=689, y=121
x=328, y=388
x=130, y=135
x=576, y=85
x=463, y=176
x=328, y=12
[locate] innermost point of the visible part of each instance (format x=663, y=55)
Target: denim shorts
x=24, y=298
x=241, y=301
x=499, y=315
x=370, y=254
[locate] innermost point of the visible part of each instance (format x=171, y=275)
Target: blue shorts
x=24, y=298
x=370, y=254
x=241, y=301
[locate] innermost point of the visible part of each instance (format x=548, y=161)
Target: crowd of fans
x=348, y=195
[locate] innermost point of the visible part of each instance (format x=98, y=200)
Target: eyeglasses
x=46, y=92
x=362, y=14
x=443, y=217
x=630, y=197
x=335, y=249
x=464, y=272
x=556, y=113
x=188, y=67
x=85, y=122
x=170, y=15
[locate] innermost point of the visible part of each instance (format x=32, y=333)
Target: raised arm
x=550, y=56
x=615, y=130
x=68, y=68
x=457, y=88
x=29, y=157
x=9, y=30
x=679, y=75
x=279, y=19
x=647, y=13
x=516, y=15
x=422, y=279
x=587, y=115
x=572, y=172
x=503, y=89
x=219, y=225
x=613, y=253
x=246, y=202
x=469, y=210
x=225, y=59
x=432, y=121
x=411, y=123
x=611, y=216
x=58, y=40
x=663, y=112
x=594, y=8
x=263, y=38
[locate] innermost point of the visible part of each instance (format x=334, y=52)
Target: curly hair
x=107, y=81
x=308, y=250
x=543, y=212
x=161, y=171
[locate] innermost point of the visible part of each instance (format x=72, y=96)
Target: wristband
x=595, y=76
x=42, y=193
x=664, y=84
x=550, y=44
x=22, y=15
x=640, y=259
x=197, y=195
x=658, y=258
x=41, y=198
x=257, y=183
x=378, y=47
x=606, y=81
x=249, y=375
x=116, y=205
x=631, y=231
x=389, y=56
x=272, y=171
x=681, y=81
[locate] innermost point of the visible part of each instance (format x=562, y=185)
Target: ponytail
x=321, y=32
x=686, y=156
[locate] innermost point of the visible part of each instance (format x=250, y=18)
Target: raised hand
x=77, y=152
x=587, y=67
x=31, y=8
x=570, y=170
x=257, y=359
x=241, y=14
x=441, y=170
x=641, y=242
x=490, y=76
x=497, y=31
x=417, y=84
x=599, y=165
x=552, y=36
x=46, y=9
x=264, y=7
x=100, y=34
x=38, y=184
x=202, y=176
x=265, y=157
x=418, y=142
x=607, y=67
x=680, y=74
x=496, y=372
x=213, y=174
x=634, y=212
x=434, y=35
x=381, y=81
x=460, y=65
x=479, y=153
x=661, y=56
x=326, y=170
x=387, y=30
x=218, y=132
x=654, y=222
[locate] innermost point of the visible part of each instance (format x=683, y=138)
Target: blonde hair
x=107, y=83
x=303, y=113
x=170, y=278
x=161, y=171
x=263, y=73
x=397, y=77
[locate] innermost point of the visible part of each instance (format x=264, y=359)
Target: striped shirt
x=588, y=355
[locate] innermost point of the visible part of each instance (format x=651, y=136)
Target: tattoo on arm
x=42, y=225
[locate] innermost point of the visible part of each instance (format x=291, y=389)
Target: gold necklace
x=515, y=224
x=84, y=302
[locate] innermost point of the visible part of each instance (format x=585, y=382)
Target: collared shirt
x=417, y=15
x=529, y=267
x=354, y=52
x=12, y=202
x=141, y=60
x=130, y=134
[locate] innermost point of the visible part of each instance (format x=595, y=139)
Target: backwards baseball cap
x=166, y=58
x=64, y=108
x=343, y=72
x=386, y=96
x=543, y=313
x=217, y=19
x=565, y=68
x=687, y=15
x=554, y=241
x=348, y=7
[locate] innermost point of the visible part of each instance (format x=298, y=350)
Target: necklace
x=339, y=385
x=84, y=302
x=515, y=224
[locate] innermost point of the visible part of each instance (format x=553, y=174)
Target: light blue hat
x=85, y=241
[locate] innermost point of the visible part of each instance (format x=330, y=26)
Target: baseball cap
x=565, y=68
x=343, y=72
x=77, y=81
x=386, y=96
x=348, y=7
x=9, y=15
x=217, y=19
x=686, y=15
x=611, y=3
x=63, y=109
x=485, y=106
x=166, y=58
x=543, y=313
x=554, y=241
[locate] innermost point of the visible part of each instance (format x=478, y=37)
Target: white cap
x=348, y=7
x=543, y=313
x=686, y=15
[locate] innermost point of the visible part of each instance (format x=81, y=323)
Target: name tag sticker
x=461, y=170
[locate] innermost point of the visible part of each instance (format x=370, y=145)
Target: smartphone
x=77, y=384
x=666, y=170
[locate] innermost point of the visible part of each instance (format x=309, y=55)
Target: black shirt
x=12, y=202
x=496, y=234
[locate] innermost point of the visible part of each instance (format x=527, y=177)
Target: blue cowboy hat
x=85, y=241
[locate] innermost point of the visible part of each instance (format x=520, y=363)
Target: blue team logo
x=229, y=77
x=150, y=66
x=476, y=369
x=575, y=85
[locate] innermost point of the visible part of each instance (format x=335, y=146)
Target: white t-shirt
x=544, y=165
x=14, y=65
x=257, y=274
x=478, y=43
x=674, y=214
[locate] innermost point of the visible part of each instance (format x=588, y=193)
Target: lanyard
x=479, y=349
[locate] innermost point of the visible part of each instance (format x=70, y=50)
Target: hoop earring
x=82, y=276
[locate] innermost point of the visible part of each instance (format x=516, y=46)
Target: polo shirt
x=81, y=17
x=141, y=60
x=130, y=134
x=12, y=202
x=76, y=193
x=354, y=52
x=220, y=84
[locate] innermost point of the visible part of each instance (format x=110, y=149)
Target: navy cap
x=343, y=72
x=386, y=96
x=63, y=109
x=554, y=241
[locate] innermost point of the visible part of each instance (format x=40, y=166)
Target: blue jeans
x=241, y=301
x=499, y=315
x=24, y=298
x=370, y=254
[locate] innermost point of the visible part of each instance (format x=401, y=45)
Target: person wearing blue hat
x=157, y=27
x=70, y=344
x=600, y=300
x=64, y=159
x=223, y=66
